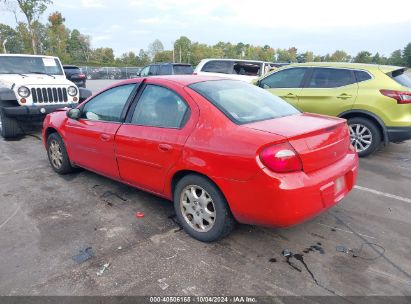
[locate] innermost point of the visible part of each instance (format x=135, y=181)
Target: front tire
x=365, y=135
x=57, y=154
x=201, y=209
x=9, y=127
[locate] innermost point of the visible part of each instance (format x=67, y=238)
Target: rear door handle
x=291, y=95
x=344, y=96
x=165, y=147
x=105, y=137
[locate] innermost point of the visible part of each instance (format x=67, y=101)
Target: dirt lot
x=45, y=219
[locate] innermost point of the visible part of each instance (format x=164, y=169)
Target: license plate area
x=339, y=185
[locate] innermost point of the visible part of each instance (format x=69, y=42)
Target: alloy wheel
x=197, y=208
x=56, y=156
x=361, y=137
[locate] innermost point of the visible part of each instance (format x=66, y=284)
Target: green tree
x=363, y=57
x=340, y=56
x=78, y=47
x=14, y=44
x=407, y=55
x=163, y=56
x=103, y=56
x=32, y=10
x=182, y=49
x=143, y=58
x=58, y=36
x=396, y=58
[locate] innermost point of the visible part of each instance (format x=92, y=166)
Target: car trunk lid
x=319, y=140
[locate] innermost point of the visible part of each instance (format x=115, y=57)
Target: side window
x=153, y=70
x=144, y=71
x=108, y=105
x=247, y=68
x=218, y=66
x=160, y=107
x=289, y=78
x=330, y=78
x=362, y=76
x=165, y=69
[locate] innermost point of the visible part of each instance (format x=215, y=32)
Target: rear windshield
x=247, y=68
x=242, y=102
x=402, y=78
x=27, y=65
x=72, y=70
x=183, y=69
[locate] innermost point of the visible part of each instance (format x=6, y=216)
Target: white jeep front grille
x=49, y=95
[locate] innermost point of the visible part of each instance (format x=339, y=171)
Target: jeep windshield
x=29, y=65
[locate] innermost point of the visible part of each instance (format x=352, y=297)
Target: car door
x=286, y=83
x=91, y=137
x=328, y=91
x=152, y=139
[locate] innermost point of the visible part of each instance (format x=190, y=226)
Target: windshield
x=402, y=78
x=243, y=102
x=27, y=65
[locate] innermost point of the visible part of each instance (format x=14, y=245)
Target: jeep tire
x=9, y=127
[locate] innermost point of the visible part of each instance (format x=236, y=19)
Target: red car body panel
x=212, y=145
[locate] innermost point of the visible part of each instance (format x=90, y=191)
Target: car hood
x=8, y=80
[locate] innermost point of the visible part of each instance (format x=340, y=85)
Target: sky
x=315, y=25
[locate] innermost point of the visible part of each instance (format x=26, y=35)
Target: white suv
x=246, y=70
x=32, y=86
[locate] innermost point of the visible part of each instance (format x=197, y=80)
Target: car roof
x=70, y=66
x=350, y=65
x=183, y=80
x=231, y=59
x=170, y=63
x=27, y=55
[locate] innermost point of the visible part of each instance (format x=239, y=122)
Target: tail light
x=281, y=158
x=82, y=75
x=400, y=96
x=194, y=73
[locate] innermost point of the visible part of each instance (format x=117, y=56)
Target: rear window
x=362, y=76
x=165, y=70
x=72, y=70
x=183, y=69
x=242, y=102
x=401, y=77
x=218, y=66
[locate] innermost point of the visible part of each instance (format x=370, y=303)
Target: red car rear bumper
x=283, y=200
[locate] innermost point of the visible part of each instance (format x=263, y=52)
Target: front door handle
x=344, y=96
x=165, y=147
x=105, y=137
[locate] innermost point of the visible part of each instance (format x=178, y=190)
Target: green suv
x=375, y=99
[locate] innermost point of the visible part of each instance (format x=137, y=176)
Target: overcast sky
x=317, y=25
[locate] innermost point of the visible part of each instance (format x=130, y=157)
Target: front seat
x=167, y=113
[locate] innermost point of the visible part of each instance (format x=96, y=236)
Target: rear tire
x=57, y=154
x=365, y=135
x=9, y=127
x=201, y=209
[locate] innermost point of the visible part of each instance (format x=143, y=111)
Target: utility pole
x=4, y=46
x=174, y=59
x=180, y=53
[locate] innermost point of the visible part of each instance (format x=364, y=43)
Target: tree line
x=54, y=38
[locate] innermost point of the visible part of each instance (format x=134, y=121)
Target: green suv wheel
x=365, y=135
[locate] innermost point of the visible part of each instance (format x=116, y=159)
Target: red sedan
x=222, y=150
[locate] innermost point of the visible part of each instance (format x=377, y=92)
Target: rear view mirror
x=73, y=114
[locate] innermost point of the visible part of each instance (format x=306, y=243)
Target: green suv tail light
x=400, y=96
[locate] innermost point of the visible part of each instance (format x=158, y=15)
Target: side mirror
x=73, y=114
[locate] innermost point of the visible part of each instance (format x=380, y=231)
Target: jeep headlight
x=72, y=91
x=24, y=92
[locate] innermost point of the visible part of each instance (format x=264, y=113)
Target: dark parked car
x=74, y=74
x=167, y=69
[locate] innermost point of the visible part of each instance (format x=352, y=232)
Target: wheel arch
x=371, y=116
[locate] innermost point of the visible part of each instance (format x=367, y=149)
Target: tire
x=365, y=135
x=57, y=154
x=9, y=127
x=214, y=214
